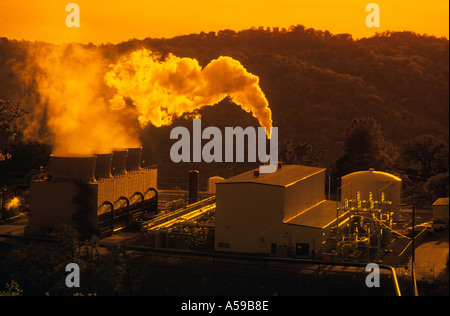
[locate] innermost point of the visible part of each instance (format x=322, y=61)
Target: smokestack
x=74, y=167
x=134, y=159
x=119, y=161
x=193, y=186
x=103, y=166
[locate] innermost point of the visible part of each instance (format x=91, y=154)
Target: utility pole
x=413, y=257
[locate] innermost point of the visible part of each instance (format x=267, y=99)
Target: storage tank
x=73, y=167
x=103, y=166
x=119, y=161
x=212, y=183
x=134, y=158
x=376, y=182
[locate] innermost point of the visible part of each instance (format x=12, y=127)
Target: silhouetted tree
x=363, y=148
x=424, y=163
x=11, y=120
x=424, y=157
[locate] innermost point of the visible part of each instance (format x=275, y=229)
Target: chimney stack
x=193, y=186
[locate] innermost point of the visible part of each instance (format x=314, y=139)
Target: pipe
x=128, y=207
x=142, y=199
x=111, y=205
x=300, y=262
x=156, y=197
x=140, y=194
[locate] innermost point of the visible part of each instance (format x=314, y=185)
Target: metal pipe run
x=142, y=199
x=111, y=205
x=128, y=207
x=156, y=197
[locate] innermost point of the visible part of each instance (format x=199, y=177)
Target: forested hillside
x=316, y=83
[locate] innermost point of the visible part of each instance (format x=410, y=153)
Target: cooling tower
x=134, y=159
x=73, y=167
x=119, y=161
x=103, y=166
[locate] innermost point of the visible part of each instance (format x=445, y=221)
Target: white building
x=280, y=213
x=440, y=213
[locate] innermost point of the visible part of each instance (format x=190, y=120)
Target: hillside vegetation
x=317, y=84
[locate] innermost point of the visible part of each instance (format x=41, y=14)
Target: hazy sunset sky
x=105, y=21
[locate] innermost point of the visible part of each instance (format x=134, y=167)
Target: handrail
x=214, y=255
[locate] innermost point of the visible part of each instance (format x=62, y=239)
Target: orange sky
x=115, y=21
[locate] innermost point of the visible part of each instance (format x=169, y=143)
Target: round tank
x=212, y=183
x=119, y=161
x=375, y=182
x=73, y=167
x=103, y=166
x=134, y=159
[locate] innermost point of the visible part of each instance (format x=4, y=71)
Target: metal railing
x=264, y=260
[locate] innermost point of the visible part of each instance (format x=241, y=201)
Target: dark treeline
x=320, y=87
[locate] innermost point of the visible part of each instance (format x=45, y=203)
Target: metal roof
x=441, y=202
x=283, y=177
x=371, y=175
x=319, y=216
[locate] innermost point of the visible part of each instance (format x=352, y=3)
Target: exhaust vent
x=119, y=161
x=134, y=159
x=103, y=166
x=73, y=167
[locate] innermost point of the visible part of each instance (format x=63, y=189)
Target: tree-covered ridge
x=317, y=84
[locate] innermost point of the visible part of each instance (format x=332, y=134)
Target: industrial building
x=440, y=213
x=95, y=193
x=284, y=213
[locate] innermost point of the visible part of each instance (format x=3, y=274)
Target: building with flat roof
x=440, y=213
x=282, y=213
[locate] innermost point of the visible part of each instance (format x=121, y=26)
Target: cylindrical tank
x=103, y=166
x=212, y=183
x=193, y=186
x=134, y=158
x=73, y=167
x=375, y=182
x=119, y=161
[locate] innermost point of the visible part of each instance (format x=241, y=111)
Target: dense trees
x=317, y=84
x=11, y=119
x=17, y=156
x=425, y=165
x=364, y=148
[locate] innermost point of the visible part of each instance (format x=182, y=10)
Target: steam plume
x=70, y=107
x=162, y=90
x=82, y=104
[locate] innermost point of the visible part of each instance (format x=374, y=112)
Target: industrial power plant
x=281, y=214
x=287, y=217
